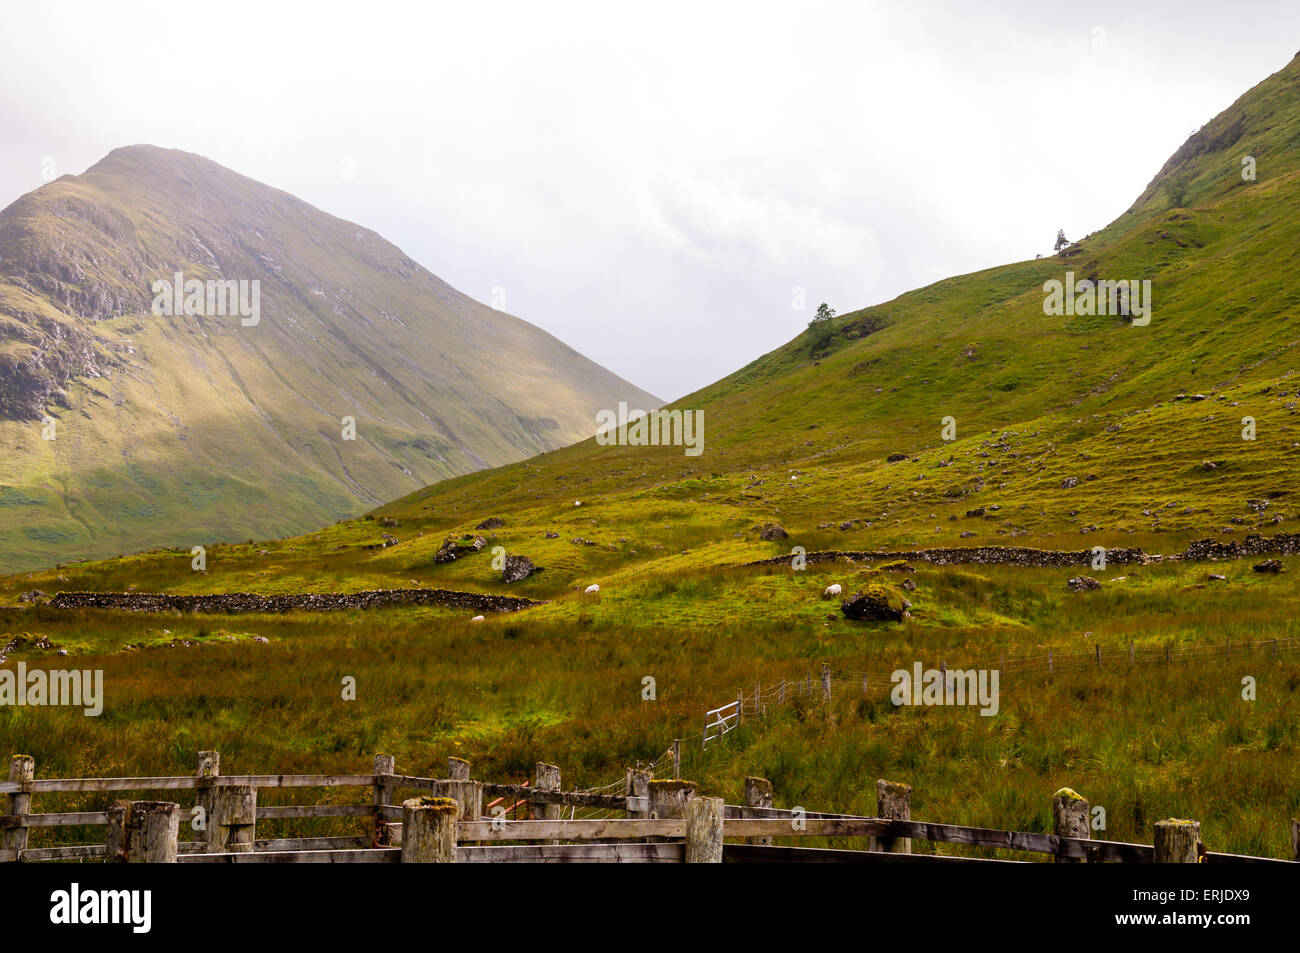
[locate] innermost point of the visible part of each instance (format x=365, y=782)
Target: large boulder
x=492, y=522
x=517, y=568
x=773, y=531
x=1082, y=584
x=1269, y=565
x=875, y=604
x=454, y=548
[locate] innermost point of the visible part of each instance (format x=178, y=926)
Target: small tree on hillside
x=820, y=328
x=1061, y=240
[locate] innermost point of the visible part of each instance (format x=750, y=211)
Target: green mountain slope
x=167, y=428
x=1070, y=430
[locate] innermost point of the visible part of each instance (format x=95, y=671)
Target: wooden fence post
x=458, y=769
x=1070, y=818
x=677, y=757
x=152, y=832
x=1295, y=839
x=546, y=777
x=22, y=768
x=1178, y=842
x=668, y=798
x=429, y=830
x=826, y=682
x=232, y=826
x=468, y=795
x=894, y=803
x=385, y=767
x=758, y=793
x=209, y=769
x=638, y=784
x=704, y=830
x=117, y=849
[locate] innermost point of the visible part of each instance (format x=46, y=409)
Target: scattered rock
x=1215, y=577
x=1082, y=584
x=453, y=548
x=550, y=535
x=772, y=531
x=1069, y=483
x=492, y=522
x=517, y=568
x=896, y=458
x=33, y=596
x=908, y=584
x=1269, y=565
x=874, y=604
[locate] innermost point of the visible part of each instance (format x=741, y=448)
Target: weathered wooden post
x=758, y=793
x=468, y=795
x=826, y=682
x=22, y=769
x=704, y=830
x=668, y=798
x=1178, y=842
x=232, y=826
x=1070, y=818
x=677, y=757
x=1295, y=839
x=546, y=777
x=152, y=832
x=117, y=848
x=780, y=693
x=638, y=787
x=429, y=830
x=385, y=768
x=208, y=771
x=894, y=803
x=458, y=769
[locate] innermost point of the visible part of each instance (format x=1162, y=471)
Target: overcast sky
x=651, y=183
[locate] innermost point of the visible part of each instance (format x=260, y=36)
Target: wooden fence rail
x=666, y=821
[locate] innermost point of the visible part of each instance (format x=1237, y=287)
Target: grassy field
x=563, y=683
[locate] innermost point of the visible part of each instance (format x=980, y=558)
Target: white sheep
x=832, y=591
x=477, y=618
x=592, y=590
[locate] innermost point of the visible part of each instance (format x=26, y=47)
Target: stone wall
x=239, y=603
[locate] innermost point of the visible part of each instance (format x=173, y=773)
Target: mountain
x=176, y=429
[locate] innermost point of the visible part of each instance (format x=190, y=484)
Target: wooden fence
x=666, y=821
x=748, y=704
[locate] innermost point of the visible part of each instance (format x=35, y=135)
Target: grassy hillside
x=172, y=427
x=1071, y=432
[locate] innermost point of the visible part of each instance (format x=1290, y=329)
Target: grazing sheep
x=477, y=618
x=832, y=591
x=592, y=590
